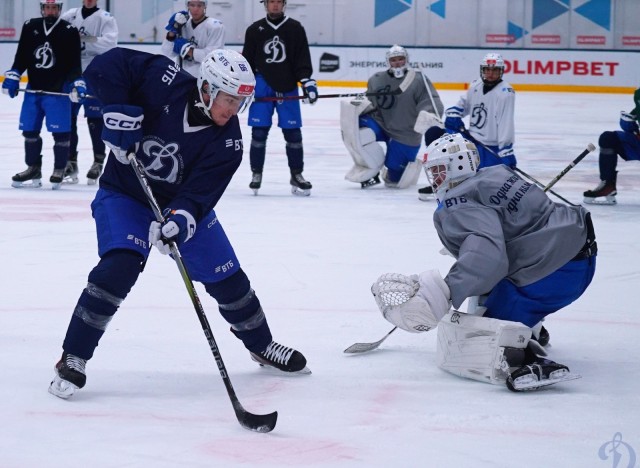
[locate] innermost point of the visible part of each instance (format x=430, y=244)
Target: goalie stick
x=395, y=92
x=253, y=422
x=358, y=348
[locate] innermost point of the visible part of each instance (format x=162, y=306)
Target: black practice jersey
x=49, y=55
x=279, y=52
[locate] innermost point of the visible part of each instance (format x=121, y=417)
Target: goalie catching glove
x=414, y=303
x=178, y=226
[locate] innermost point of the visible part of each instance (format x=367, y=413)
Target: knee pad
x=292, y=135
x=608, y=140
x=229, y=289
x=31, y=135
x=117, y=272
x=62, y=139
x=259, y=134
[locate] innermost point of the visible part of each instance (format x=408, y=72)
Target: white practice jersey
x=491, y=119
x=99, y=29
x=205, y=37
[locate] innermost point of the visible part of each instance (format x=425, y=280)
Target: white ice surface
x=154, y=397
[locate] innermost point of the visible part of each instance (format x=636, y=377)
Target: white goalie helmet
x=228, y=71
x=491, y=60
x=397, y=51
x=448, y=161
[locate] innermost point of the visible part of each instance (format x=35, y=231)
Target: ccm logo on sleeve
x=117, y=121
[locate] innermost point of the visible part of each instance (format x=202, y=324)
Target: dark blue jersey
x=50, y=54
x=188, y=159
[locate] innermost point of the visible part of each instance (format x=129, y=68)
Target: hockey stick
x=588, y=150
x=253, y=422
x=466, y=134
x=395, y=92
x=48, y=93
x=358, y=348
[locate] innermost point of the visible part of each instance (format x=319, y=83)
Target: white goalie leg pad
x=410, y=175
x=473, y=347
x=367, y=154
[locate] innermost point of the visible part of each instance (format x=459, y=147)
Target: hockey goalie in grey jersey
x=403, y=105
x=518, y=255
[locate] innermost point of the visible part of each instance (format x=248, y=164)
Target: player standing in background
x=276, y=47
x=490, y=104
x=520, y=254
x=626, y=144
x=191, y=35
x=399, y=120
x=186, y=134
x=98, y=34
x=49, y=51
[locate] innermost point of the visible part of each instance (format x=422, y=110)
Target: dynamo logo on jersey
x=276, y=50
x=162, y=161
x=44, y=53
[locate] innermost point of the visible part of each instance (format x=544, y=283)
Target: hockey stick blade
x=358, y=348
x=255, y=422
x=395, y=92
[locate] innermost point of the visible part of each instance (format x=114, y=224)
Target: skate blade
x=300, y=192
x=535, y=384
x=34, y=183
x=55, y=185
x=595, y=201
x=255, y=192
x=424, y=197
x=70, y=180
x=275, y=371
x=62, y=388
x=92, y=181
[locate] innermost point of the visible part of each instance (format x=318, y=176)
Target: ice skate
x=541, y=373
x=29, y=178
x=71, y=173
x=282, y=358
x=96, y=169
x=70, y=376
x=300, y=186
x=604, y=194
x=375, y=180
x=256, y=182
x=425, y=193
x=56, y=178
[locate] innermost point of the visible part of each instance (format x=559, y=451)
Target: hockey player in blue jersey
x=624, y=143
x=186, y=135
x=517, y=253
x=49, y=51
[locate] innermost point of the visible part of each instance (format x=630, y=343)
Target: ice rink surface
x=154, y=397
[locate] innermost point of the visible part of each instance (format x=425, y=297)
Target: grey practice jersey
x=498, y=225
x=397, y=114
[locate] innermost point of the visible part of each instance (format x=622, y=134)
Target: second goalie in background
x=406, y=105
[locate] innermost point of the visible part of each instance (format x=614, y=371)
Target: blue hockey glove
x=11, y=83
x=179, y=226
x=628, y=122
x=453, y=120
x=176, y=22
x=79, y=91
x=122, y=129
x=310, y=90
x=181, y=46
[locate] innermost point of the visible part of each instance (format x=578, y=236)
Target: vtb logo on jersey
x=45, y=55
x=478, y=117
x=276, y=50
